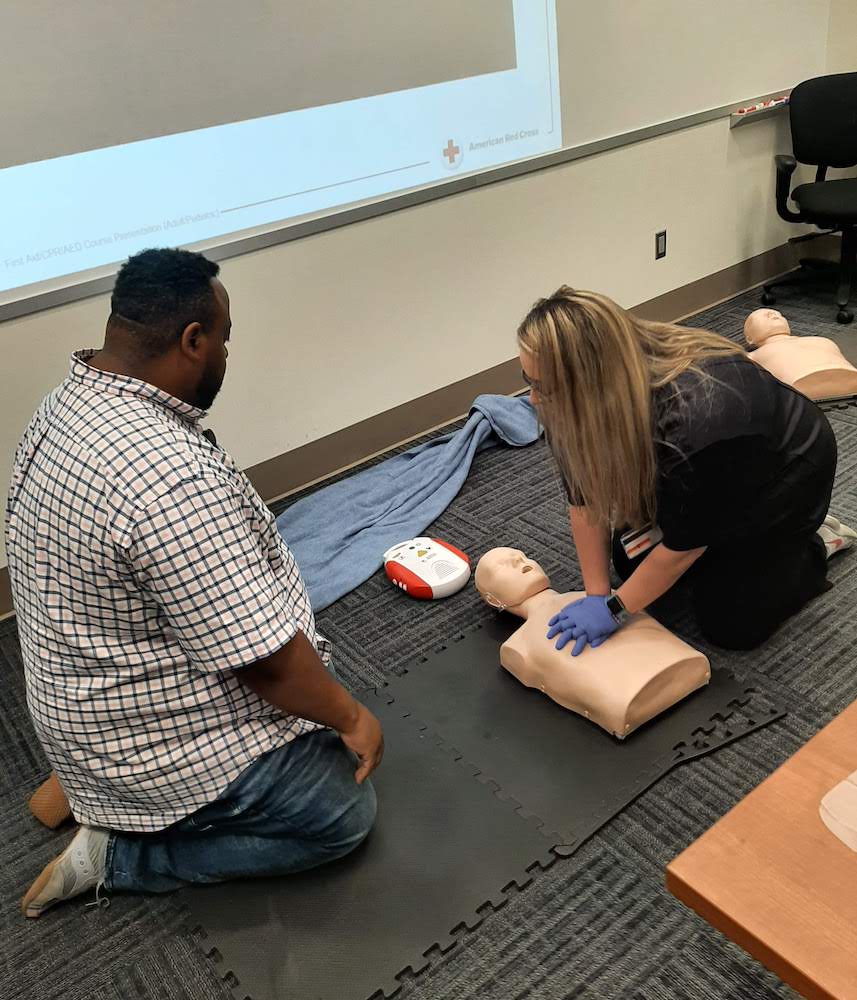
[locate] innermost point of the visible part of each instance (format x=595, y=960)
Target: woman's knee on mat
x=738, y=632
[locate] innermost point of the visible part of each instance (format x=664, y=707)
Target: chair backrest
x=823, y=114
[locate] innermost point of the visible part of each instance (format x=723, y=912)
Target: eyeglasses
x=533, y=383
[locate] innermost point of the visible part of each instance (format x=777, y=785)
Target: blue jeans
x=294, y=808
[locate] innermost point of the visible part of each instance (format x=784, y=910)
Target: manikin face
x=762, y=324
x=506, y=578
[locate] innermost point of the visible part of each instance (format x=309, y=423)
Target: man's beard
x=207, y=389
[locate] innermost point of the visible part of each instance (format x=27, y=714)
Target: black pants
x=742, y=592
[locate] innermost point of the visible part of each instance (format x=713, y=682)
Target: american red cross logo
x=451, y=152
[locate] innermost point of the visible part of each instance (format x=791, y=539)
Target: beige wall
x=337, y=327
x=842, y=36
x=638, y=62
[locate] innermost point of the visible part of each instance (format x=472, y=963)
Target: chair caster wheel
x=844, y=316
x=768, y=299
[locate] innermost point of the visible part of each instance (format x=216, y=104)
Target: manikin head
x=506, y=578
x=762, y=324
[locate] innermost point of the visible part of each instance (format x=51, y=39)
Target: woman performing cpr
x=699, y=461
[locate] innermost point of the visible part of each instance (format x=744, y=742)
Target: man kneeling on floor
x=174, y=673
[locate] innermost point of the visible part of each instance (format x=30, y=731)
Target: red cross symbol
x=451, y=152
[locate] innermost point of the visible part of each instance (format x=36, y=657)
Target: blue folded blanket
x=340, y=533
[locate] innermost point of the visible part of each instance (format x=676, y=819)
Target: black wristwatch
x=617, y=609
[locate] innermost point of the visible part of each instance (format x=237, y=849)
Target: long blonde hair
x=598, y=367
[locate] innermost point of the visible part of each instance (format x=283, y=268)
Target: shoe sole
x=37, y=887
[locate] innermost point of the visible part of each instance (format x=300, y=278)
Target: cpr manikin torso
x=637, y=673
x=813, y=365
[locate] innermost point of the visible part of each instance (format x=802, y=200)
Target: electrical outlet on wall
x=660, y=244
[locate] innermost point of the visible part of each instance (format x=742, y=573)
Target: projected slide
x=269, y=58
x=300, y=110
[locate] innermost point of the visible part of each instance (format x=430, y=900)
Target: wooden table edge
x=790, y=974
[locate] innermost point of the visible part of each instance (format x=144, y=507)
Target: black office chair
x=823, y=117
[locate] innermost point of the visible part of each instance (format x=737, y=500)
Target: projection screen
x=200, y=122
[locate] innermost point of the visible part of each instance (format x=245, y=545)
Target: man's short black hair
x=159, y=292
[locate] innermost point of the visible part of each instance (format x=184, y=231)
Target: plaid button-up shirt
x=146, y=571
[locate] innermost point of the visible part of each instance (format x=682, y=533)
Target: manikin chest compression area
x=639, y=672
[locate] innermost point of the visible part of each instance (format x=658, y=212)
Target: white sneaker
x=837, y=537
x=81, y=866
x=839, y=527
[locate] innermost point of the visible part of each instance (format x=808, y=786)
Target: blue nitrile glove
x=584, y=620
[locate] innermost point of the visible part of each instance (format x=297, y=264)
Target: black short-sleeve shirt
x=740, y=455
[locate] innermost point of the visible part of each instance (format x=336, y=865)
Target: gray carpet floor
x=598, y=925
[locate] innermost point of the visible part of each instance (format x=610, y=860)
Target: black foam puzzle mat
x=483, y=785
x=558, y=766
x=443, y=851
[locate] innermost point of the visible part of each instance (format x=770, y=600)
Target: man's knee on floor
x=355, y=818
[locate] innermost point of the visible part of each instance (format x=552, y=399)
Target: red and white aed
x=427, y=568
